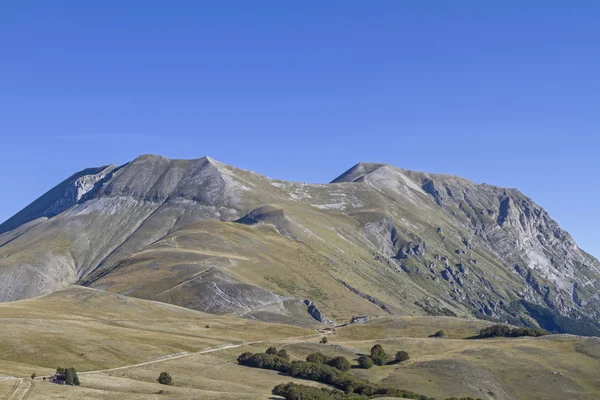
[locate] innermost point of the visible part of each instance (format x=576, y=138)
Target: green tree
x=365, y=362
x=244, y=356
x=272, y=350
x=75, y=377
x=318, y=358
x=495, y=331
x=263, y=360
x=33, y=375
x=401, y=356
x=71, y=377
x=165, y=378
x=340, y=363
x=378, y=355
x=324, y=340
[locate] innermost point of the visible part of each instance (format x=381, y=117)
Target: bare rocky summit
x=378, y=239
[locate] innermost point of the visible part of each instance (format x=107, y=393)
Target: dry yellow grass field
x=94, y=330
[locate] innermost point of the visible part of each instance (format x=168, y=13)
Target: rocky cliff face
x=381, y=238
x=524, y=238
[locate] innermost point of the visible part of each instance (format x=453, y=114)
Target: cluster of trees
x=320, y=368
x=380, y=357
x=338, y=362
x=69, y=375
x=281, y=353
x=279, y=359
x=553, y=321
x=507, y=331
x=264, y=361
x=292, y=391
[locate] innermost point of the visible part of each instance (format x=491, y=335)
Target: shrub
x=283, y=354
x=378, y=355
x=324, y=340
x=365, y=362
x=517, y=332
x=165, y=378
x=318, y=358
x=33, y=375
x=506, y=331
x=313, y=371
x=272, y=350
x=340, y=363
x=71, y=377
x=439, y=334
x=401, y=356
x=207, y=326
x=494, y=331
x=244, y=356
x=265, y=361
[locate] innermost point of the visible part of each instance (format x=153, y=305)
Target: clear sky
x=506, y=93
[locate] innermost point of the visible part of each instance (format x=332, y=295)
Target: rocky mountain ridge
x=381, y=238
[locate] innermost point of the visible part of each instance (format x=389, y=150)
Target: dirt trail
x=172, y=243
x=28, y=392
x=185, y=354
x=14, y=391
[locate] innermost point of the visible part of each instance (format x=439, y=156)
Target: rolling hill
x=121, y=344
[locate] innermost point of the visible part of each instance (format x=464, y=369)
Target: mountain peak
x=149, y=156
x=358, y=171
x=158, y=158
x=60, y=198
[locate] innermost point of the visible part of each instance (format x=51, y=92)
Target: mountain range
x=377, y=240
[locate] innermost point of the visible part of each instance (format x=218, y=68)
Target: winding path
x=12, y=394
x=186, y=354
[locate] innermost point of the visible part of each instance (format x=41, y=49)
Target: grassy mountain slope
x=378, y=240
x=94, y=329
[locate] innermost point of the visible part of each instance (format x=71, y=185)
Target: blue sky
x=506, y=93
